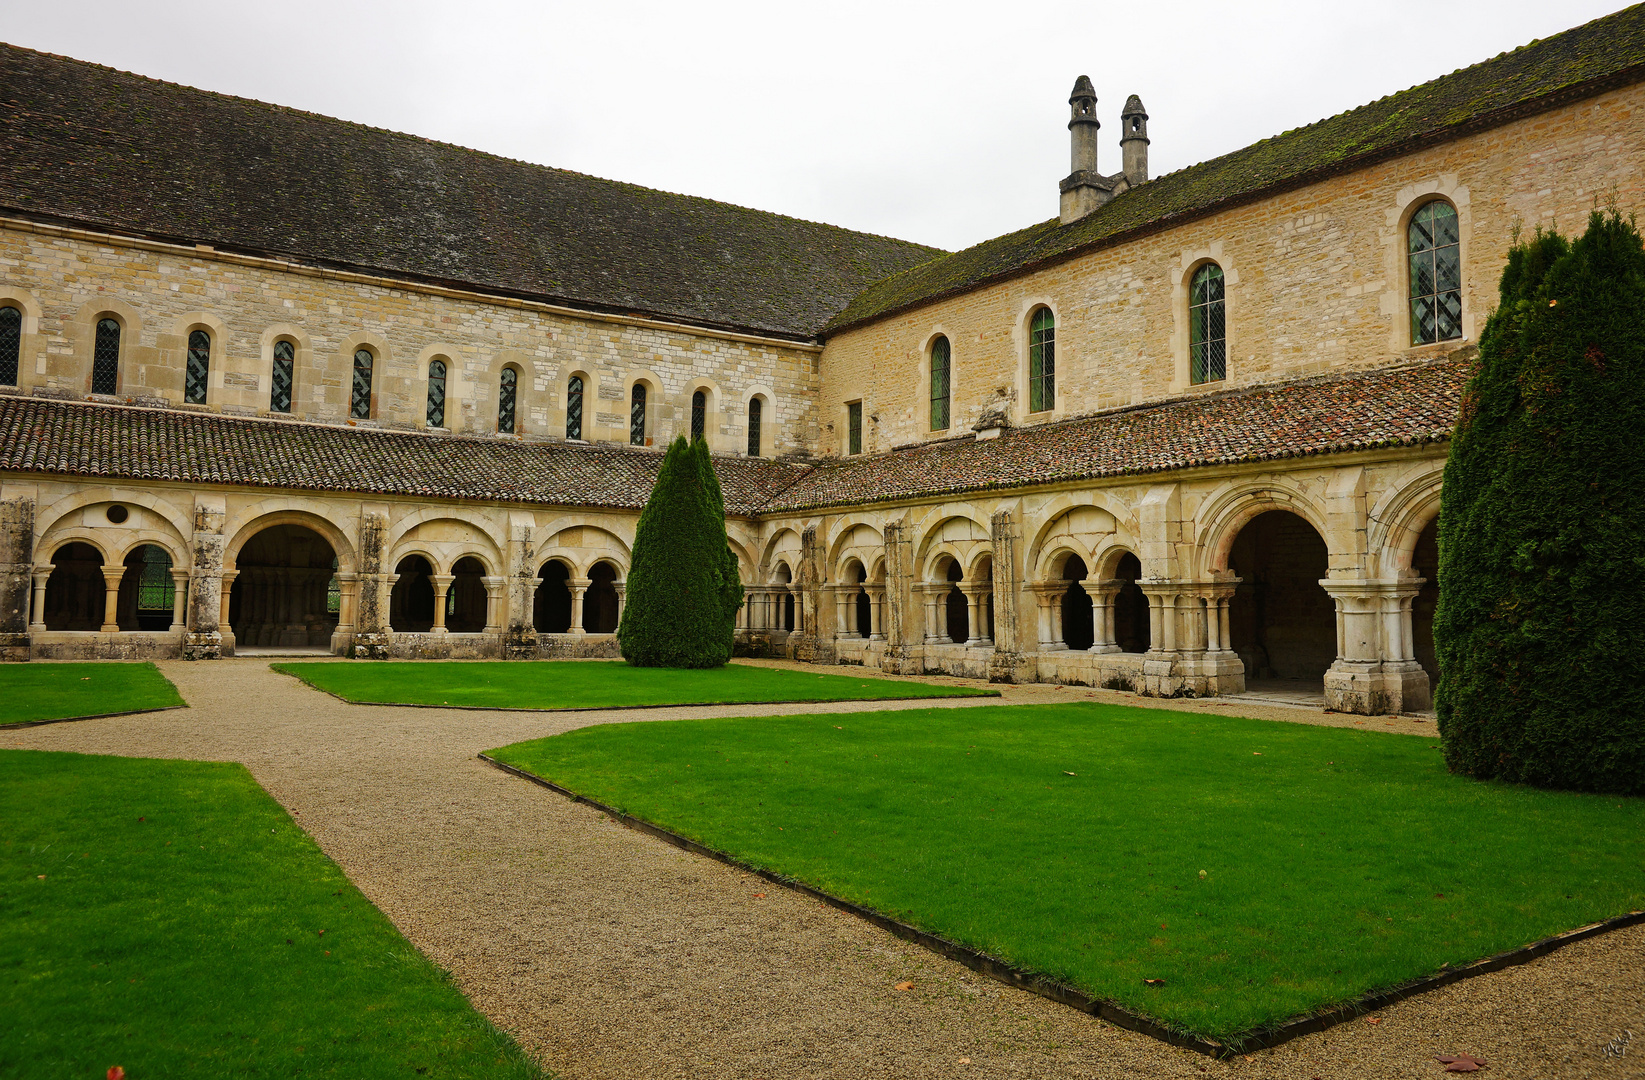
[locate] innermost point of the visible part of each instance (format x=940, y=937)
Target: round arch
x=1400, y=516
x=269, y=513
x=1228, y=512
x=1059, y=507
x=61, y=508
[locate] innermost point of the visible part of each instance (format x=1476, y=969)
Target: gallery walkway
x=610, y=954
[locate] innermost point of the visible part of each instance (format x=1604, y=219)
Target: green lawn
x=55, y=691
x=1261, y=869
x=167, y=916
x=594, y=684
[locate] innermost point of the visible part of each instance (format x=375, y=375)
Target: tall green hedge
x=1540, y=630
x=683, y=589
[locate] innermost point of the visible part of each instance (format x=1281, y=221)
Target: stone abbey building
x=270, y=380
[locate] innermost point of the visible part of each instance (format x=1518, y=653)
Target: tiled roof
x=88, y=144
x=1390, y=407
x=1577, y=63
x=138, y=444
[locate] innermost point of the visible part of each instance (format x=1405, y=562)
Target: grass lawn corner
x=170, y=918
x=37, y=692
x=595, y=684
x=1262, y=870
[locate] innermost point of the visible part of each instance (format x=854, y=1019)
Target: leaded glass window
x=574, y=408
x=105, y=358
x=939, y=384
x=1436, y=274
x=199, y=368
x=636, y=415
x=853, y=418
x=156, y=590
x=1042, y=361
x=754, y=409
x=699, y=414
x=359, y=405
x=437, y=393
x=1207, y=326
x=279, y=398
x=508, y=389
x=11, y=344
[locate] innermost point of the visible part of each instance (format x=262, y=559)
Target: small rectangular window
x=853, y=414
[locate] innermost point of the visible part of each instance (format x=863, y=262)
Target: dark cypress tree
x=1541, y=619
x=683, y=590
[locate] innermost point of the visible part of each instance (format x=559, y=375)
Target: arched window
x=11, y=344
x=437, y=393
x=754, y=408
x=636, y=415
x=285, y=357
x=1436, y=274
x=699, y=414
x=939, y=384
x=853, y=427
x=1042, y=361
x=105, y=358
x=199, y=367
x=1207, y=326
x=359, y=405
x=574, y=408
x=508, y=391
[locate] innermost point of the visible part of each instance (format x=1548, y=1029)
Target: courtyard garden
x=170, y=918
x=597, y=684
x=35, y=692
x=1217, y=873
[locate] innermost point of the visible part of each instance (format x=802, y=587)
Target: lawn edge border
x=627, y=708
x=91, y=716
x=1258, y=1039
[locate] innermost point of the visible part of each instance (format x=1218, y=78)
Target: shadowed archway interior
x=286, y=592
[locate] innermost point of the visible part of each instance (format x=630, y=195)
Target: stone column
x=442, y=586
x=876, y=603
x=16, y=576
x=179, y=598
x=37, y=623
x=579, y=589
x=976, y=605
x=207, y=591
x=845, y=596
x=1376, y=670
x=111, y=605
x=622, y=598
x=348, y=605
x=371, y=629
x=225, y=593
x=494, y=603
x=1102, y=593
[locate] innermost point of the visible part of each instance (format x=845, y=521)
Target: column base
x=903, y=660
x=1169, y=675
x=370, y=646
x=1377, y=687
x=207, y=646
x=1011, y=667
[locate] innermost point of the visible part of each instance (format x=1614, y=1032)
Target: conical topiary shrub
x=683, y=589
x=1541, y=619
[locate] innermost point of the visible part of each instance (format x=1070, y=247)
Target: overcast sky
x=938, y=122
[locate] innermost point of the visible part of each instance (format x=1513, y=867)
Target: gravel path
x=609, y=954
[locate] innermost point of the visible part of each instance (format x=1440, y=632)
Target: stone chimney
x=1085, y=189
x=1134, y=141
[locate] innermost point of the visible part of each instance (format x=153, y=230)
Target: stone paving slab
x=611, y=954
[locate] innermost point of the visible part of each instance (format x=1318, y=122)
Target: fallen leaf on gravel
x=759, y=896
x=965, y=1061
x=1154, y=982
x=1373, y=1019
x=1461, y=1062
x=905, y=986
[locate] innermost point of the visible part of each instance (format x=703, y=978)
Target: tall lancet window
x=508, y=389
x=699, y=415
x=436, y=393
x=1207, y=326
x=636, y=415
x=105, y=358
x=1042, y=361
x=574, y=408
x=11, y=344
x=359, y=402
x=199, y=368
x=939, y=384
x=755, y=408
x=280, y=381
x=1436, y=274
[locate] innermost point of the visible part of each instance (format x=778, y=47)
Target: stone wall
x=1315, y=283
x=64, y=281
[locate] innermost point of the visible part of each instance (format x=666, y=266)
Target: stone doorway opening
x=411, y=603
x=286, y=593
x=1282, y=622
x=75, y=592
